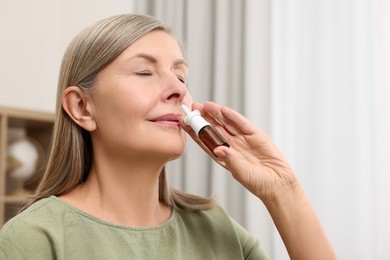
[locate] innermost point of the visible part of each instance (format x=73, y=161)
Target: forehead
x=156, y=42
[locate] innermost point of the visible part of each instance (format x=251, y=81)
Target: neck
x=118, y=195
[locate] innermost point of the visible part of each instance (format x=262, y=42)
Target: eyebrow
x=152, y=59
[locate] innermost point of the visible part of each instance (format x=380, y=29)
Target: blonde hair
x=70, y=158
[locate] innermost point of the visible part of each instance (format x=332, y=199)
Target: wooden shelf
x=12, y=199
x=33, y=125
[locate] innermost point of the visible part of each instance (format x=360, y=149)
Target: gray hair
x=71, y=155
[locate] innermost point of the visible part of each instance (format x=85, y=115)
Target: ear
x=78, y=107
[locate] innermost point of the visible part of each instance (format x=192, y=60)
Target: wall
x=34, y=36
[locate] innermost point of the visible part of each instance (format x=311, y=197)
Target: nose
x=175, y=90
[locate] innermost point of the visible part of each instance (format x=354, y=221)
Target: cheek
x=123, y=102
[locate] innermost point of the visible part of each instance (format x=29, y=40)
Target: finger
x=237, y=124
x=224, y=157
x=198, y=106
x=230, y=119
x=213, y=115
x=210, y=119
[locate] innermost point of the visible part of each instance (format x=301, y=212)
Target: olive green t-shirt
x=53, y=229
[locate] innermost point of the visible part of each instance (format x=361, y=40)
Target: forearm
x=299, y=226
x=260, y=167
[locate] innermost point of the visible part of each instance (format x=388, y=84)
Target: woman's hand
x=252, y=158
x=259, y=166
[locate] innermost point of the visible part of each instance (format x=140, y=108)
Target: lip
x=168, y=119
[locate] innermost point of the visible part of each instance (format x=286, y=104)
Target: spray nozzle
x=194, y=119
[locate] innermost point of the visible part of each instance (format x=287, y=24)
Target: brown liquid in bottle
x=211, y=138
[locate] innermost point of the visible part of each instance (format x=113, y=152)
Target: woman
x=104, y=194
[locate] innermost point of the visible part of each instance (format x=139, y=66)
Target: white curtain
x=315, y=76
x=381, y=121
x=330, y=85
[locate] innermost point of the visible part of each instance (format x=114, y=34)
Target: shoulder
x=33, y=228
x=218, y=226
x=215, y=217
x=27, y=216
x=41, y=213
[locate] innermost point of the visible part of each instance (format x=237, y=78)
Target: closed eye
x=182, y=80
x=144, y=73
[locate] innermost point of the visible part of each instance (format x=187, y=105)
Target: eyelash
x=144, y=73
x=182, y=80
x=147, y=73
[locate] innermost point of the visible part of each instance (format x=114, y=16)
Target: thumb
x=224, y=156
x=220, y=152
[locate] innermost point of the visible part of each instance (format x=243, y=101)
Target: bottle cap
x=194, y=119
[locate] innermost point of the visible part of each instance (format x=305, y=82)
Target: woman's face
x=136, y=101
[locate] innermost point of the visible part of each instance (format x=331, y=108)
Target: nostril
x=174, y=96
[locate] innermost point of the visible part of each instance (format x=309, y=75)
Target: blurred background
x=312, y=74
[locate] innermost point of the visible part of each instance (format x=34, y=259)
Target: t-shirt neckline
x=84, y=214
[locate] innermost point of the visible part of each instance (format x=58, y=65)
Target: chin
x=167, y=147
x=168, y=151
x=175, y=147
x=176, y=153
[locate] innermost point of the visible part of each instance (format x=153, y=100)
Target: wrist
x=284, y=197
x=298, y=224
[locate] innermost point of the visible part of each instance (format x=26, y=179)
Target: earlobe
x=76, y=105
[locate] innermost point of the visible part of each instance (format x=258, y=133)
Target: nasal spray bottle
x=206, y=133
